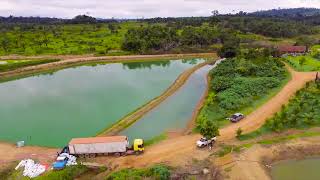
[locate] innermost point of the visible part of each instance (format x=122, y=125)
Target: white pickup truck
x=203, y=142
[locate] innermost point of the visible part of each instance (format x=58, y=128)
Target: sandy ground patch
x=255, y=162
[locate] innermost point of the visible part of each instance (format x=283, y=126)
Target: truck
x=203, y=142
x=111, y=145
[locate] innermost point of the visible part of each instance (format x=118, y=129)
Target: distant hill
x=80, y=19
x=288, y=13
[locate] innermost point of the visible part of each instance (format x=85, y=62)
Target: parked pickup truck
x=111, y=145
x=203, y=142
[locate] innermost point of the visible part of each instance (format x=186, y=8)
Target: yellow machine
x=138, y=145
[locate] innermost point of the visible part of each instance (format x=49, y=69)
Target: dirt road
x=177, y=151
x=67, y=61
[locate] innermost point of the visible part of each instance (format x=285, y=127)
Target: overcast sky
x=140, y=8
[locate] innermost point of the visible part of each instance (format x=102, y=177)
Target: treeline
x=288, y=13
x=161, y=38
x=167, y=34
x=80, y=19
x=270, y=27
x=267, y=26
x=85, y=34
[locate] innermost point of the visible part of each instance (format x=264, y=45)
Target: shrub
x=239, y=132
x=159, y=172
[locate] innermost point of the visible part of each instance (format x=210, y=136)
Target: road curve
x=177, y=151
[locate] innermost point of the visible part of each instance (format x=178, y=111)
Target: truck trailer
x=112, y=145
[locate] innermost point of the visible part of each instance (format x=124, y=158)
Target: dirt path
x=67, y=61
x=177, y=151
x=9, y=153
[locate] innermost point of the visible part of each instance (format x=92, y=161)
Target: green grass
x=227, y=149
x=311, y=64
x=15, y=64
x=156, y=139
x=160, y=172
x=288, y=138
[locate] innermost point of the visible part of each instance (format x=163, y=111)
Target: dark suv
x=236, y=117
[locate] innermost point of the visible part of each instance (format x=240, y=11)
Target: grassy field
x=304, y=63
x=9, y=65
x=99, y=39
x=160, y=172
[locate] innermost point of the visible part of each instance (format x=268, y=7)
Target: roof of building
x=93, y=140
x=289, y=48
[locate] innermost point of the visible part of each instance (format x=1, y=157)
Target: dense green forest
x=302, y=111
x=288, y=13
x=237, y=84
x=87, y=35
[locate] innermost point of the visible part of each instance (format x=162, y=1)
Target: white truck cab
x=203, y=142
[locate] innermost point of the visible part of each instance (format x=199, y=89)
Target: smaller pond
x=175, y=112
x=307, y=169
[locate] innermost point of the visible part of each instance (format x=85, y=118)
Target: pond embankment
x=136, y=115
x=257, y=161
x=69, y=61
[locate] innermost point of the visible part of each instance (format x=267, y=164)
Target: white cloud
x=140, y=8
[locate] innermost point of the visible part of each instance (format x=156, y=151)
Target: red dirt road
x=179, y=150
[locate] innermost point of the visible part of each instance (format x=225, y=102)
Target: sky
x=141, y=8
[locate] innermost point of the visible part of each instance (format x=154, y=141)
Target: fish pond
x=175, y=112
x=297, y=170
x=50, y=109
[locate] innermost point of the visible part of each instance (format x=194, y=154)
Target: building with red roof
x=288, y=49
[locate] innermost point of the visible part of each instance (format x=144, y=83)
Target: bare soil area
x=256, y=162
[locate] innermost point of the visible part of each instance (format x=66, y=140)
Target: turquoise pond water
x=50, y=109
x=175, y=112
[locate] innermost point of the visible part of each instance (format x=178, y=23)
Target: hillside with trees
x=288, y=13
x=88, y=35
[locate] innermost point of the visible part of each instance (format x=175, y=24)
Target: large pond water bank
x=175, y=112
x=296, y=170
x=50, y=109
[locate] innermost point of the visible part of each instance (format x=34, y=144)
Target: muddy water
x=50, y=109
x=175, y=112
x=297, y=170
